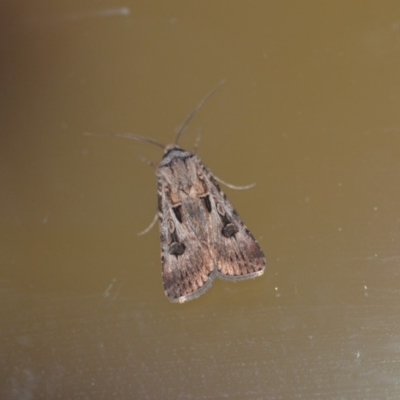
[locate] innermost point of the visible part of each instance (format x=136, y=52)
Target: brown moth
x=201, y=234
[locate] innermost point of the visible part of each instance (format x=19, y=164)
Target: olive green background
x=310, y=112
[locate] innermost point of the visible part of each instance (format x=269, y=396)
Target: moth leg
x=197, y=142
x=229, y=185
x=150, y=227
x=146, y=161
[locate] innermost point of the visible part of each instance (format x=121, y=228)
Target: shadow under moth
x=201, y=234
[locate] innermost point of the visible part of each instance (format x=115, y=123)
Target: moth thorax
x=171, y=147
x=194, y=191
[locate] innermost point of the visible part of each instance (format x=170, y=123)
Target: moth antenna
x=129, y=136
x=194, y=111
x=197, y=142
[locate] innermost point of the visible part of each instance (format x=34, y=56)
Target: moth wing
x=188, y=269
x=237, y=254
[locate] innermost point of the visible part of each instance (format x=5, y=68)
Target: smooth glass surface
x=310, y=112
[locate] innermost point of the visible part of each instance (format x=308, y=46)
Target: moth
x=202, y=236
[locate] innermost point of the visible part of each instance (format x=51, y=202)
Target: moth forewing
x=237, y=254
x=187, y=266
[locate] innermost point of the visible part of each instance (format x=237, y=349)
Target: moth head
x=171, y=147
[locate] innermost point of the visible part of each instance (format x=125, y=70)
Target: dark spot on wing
x=176, y=248
x=160, y=203
x=207, y=202
x=178, y=212
x=229, y=230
